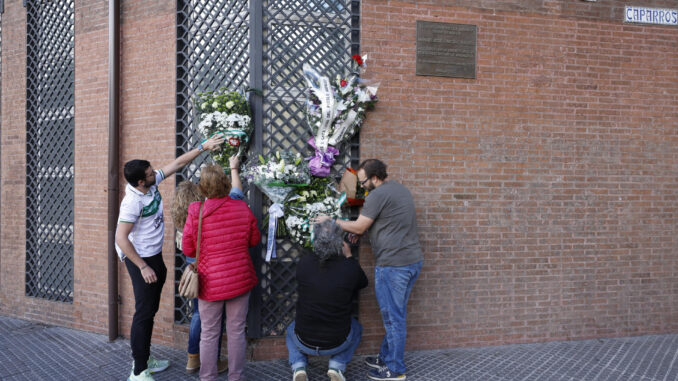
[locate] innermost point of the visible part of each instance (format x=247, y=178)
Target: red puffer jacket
x=229, y=229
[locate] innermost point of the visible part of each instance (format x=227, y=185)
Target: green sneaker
x=300, y=374
x=143, y=376
x=155, y=365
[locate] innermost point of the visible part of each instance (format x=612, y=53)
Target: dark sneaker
x=384, y=374
x=374, y=362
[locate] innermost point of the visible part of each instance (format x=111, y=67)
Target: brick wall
x=544, y=188
x=13, y=159
x=90, y=299
x=147, y=120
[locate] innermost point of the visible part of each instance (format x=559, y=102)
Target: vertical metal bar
x=256, y=29
x=113, y=162
x=30, y=237
x=355, y=49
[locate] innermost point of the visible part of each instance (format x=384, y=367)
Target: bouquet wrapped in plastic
x=225, y=113
x=320, y=197
x=277, y=176
x=335, y=110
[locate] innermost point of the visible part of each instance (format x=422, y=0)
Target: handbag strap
x=197, y=250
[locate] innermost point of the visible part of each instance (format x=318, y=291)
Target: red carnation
x=358, y=59
x=343, y=83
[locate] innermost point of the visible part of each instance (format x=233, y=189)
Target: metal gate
x=262, y=45
x=50, y=123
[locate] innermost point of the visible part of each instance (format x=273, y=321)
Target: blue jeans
x=393, y=285
x=339, y=356
x=195, y=330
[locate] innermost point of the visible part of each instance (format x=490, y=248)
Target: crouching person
x=327, y=282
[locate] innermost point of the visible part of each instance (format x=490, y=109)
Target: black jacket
x=325, y=299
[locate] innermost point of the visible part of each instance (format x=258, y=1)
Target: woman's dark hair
x=213, y=182
x=374, y=167
x=328, y=240
x=135, y=170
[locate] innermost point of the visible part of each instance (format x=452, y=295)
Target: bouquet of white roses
x=320, y=197
x=225, y=113
x=335, y=110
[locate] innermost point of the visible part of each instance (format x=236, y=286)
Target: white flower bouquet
x=225, y=113
x=277, y=177
x=320, y=197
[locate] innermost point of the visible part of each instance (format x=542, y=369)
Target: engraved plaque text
x=446, y=49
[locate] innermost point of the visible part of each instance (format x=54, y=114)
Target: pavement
x=35, y=351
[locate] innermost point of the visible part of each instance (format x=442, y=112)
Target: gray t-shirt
x=393, y=234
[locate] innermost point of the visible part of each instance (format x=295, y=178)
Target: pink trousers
x=210, y=316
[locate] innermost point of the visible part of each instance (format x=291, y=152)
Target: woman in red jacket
x=225, y=269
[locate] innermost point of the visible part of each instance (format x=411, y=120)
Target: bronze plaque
x=446, y=49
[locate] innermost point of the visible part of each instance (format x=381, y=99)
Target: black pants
x=147, y=301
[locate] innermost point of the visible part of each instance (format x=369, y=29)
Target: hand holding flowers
x=212, y=143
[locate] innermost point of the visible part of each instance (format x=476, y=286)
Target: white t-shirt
x=145, y=212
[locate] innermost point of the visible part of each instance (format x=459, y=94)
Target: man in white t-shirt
x=138, y=240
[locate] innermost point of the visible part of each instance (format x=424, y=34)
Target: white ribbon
x=328, y=107
x=274, y=212
x=340, y=130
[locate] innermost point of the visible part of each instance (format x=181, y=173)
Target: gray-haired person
x=327, y=280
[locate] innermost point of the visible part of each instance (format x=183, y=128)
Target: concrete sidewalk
x=33, y=351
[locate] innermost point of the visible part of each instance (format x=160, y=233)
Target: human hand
x=213, y=142
x=148, y=274
x=321, y=218
x=353, y=238
x=346, y=250
x=234, y=162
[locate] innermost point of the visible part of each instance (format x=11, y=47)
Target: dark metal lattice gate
x=262, y=45
x=50, y=124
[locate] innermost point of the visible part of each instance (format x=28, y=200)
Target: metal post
x=257, y=104
x=113, y=163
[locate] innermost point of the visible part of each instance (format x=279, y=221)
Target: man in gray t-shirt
x=393, y=233
x=390, y=217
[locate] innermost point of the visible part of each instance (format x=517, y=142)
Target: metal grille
x=49, y=149
x=212, y=52
x=318, y=32
x=236, y=43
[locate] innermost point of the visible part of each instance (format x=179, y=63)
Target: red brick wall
x=147, y=119
x=13, y=160
x=90, y=299
x=545, y=188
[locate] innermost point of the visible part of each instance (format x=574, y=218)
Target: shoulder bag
x=188, y=285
